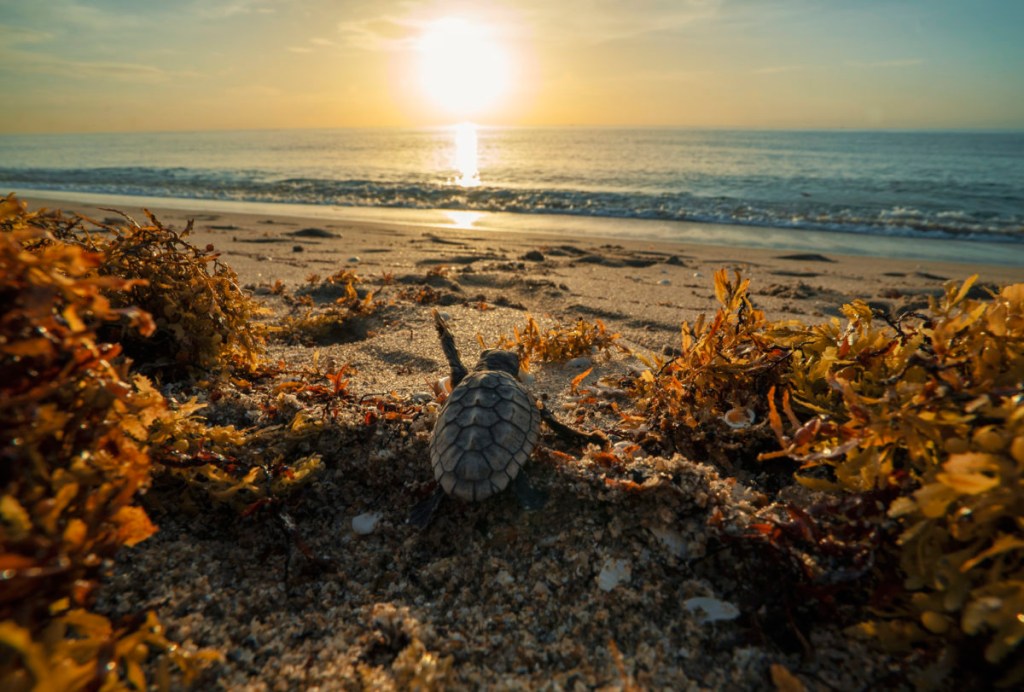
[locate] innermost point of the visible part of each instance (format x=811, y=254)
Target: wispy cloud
x=384, y=33
x=87, y=16
x=67, y=16
x=873, y=65
x=607, y=21
x=41, y=63
x=17, y=36
x=656, y=76
x=117, y=71
x=254, y=91
x=224, y=9
x=313, y=44
x=579, y=21
x=779, y=69
x=220, y=9
x=881, y=64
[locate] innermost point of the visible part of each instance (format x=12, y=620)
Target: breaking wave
x=801, y=211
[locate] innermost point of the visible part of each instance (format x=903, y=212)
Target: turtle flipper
x=451, y=352
x=530, y=498
x=423, y=511
x=572, y=435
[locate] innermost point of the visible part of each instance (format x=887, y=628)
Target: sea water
x=967, y=186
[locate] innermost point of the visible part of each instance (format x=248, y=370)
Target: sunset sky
x=115, y=65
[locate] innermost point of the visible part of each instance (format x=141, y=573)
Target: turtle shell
x=484, y=434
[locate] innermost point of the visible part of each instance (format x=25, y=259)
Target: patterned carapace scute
x=485, y=433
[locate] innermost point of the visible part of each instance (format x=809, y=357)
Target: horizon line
x=579, y=126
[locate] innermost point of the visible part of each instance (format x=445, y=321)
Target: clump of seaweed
x=719, y=380
x=556, y=344
x=240, y=469
x=81, y=650
x=933, y=405
x=423, y=295
x=73, y=441
x=335, y=321
x=919, y=414
x=204, y=321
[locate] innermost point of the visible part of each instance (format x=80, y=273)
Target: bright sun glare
x=463, y=70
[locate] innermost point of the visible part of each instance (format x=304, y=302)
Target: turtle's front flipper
x=530, y=498
x=572, y=435
x=451, y=352
x=423, y=511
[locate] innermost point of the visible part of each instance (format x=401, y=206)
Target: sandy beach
x=754, y=273
x=641, y=288
x=603, y=587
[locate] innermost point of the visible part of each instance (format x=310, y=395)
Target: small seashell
x=613, y=573
x=711, y=609
x=354, y=258
x=739, y=418
x=672, y=540
x=444, y=384
x=664, y=282
x=366, y=523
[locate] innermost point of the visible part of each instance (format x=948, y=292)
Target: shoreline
x=579, y=227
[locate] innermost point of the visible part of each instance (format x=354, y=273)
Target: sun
x=463, y=70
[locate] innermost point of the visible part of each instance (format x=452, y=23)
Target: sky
x=125, y=65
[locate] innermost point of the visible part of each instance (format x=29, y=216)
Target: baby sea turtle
x=486, y=431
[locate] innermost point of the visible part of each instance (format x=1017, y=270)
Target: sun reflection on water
x=465, y=163
x=463, y=219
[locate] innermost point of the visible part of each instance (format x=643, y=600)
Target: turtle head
x=497, y=359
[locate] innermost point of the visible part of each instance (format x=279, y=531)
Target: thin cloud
x=87, y=16
x=232, y=8
x=67, y=17
x=779, y=69
x=379, y=33
x=254, y=91
x=18, y=36
x=879, y=64
x=314, y=43
x=609, y=21
x=117, y=71
x=882, y=64
x=594, y=22
x=24, y=61
x=667, y=76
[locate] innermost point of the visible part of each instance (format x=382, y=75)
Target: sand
x=641, y=288
x=603, y=587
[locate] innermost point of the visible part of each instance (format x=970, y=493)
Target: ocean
x=967, y=186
